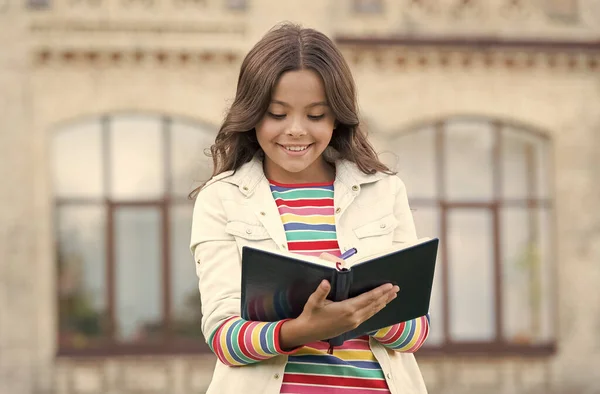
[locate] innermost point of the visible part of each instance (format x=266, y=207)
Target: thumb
x=320, y=295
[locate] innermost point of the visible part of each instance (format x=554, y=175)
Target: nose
x=296, y=129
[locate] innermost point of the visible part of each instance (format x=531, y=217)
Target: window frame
x=498, y=346
x=372, y=7
x=108, y=345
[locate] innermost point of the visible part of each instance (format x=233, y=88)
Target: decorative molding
x=472, y=42
x=52, y=57
x=469, y=53
x=56, y=25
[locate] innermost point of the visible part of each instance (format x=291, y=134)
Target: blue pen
x=349, y=253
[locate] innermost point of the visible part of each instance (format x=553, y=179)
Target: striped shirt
x=308, y=218
x=307, y=213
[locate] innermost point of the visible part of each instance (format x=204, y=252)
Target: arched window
x=484, y=187
x=126, y=278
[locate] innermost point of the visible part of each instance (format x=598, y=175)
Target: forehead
x=299, y=86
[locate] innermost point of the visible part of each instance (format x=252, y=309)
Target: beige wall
x=36, y=98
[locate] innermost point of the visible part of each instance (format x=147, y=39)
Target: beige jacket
x=237, y=209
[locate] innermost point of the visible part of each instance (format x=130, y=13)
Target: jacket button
x=388, y=375
x=263, y=214
x=245, y=188
x=382, y=225
x=338, y=210
x=248, y=231
x=355, y=188
x=276, y=376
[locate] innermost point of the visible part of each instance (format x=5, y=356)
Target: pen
x=348, y=253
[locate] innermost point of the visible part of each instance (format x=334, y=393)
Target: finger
x=370, y=297
x=376, y=307
x=320, y=294
x=332, y=258
x=391, y=297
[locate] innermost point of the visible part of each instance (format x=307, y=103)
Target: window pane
x=544, y=319
x=427, y=224
x=138, y=273
x=81, y=273
x=516, y=166
x=368, y=6
x=543, y=170
x=415, y=153
x=524, y=165
x=191, y=166
x=184, y=283
x=236, y=4
x=77, y=160
x=519, y=259
x=471, y=275
x=526, y=275
x=468, y=160
x=137, y=162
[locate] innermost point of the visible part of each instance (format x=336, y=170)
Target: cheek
x=324, y=132
x=266, y=130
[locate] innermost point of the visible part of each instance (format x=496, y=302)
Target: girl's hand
x=323, y=319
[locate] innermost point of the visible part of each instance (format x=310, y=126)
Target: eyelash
x=282, y=116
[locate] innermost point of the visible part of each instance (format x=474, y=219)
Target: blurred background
x=489, y=110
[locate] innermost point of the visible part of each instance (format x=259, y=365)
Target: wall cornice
x=567, y=55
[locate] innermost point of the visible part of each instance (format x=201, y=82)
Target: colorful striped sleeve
x=239, y=342
x=406, y=337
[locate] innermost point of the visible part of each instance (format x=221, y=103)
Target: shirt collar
x=250, y=174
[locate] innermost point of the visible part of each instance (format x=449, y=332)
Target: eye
x=276, y=116
x=316, y=117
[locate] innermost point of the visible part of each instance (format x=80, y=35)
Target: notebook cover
x=412, y=269
x=276, y=287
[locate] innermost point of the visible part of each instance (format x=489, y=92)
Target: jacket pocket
x=253, y=232
x=382, y=226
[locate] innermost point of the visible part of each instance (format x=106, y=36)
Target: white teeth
x=296, y=148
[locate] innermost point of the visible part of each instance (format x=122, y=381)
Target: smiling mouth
x=295, y=148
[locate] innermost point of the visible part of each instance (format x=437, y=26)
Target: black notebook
x=276, y=285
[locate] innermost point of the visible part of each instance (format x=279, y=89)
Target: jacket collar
x=250, y=174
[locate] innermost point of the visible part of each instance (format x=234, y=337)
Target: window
x=565, y=10
x=483, y=187
x=236, y=5
x=36, y=4
x=368, y=6
x=126, y=278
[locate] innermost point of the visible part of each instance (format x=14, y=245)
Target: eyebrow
x=318, y=103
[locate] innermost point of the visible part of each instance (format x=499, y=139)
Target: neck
x=318, y=172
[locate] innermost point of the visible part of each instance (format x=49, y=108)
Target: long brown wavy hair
x=289, y=47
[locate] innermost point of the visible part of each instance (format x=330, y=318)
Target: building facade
x=487, y=109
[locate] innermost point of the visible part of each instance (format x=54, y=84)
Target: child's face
x=296, y=129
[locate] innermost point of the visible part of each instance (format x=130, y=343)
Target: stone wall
x=19, y=360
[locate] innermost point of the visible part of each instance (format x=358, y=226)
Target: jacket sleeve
x=410, y=335
x=218, y=267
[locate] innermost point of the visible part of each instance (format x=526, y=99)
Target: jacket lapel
x=267, y=212
x=251, y=182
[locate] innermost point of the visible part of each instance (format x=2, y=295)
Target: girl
x=294, y=171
